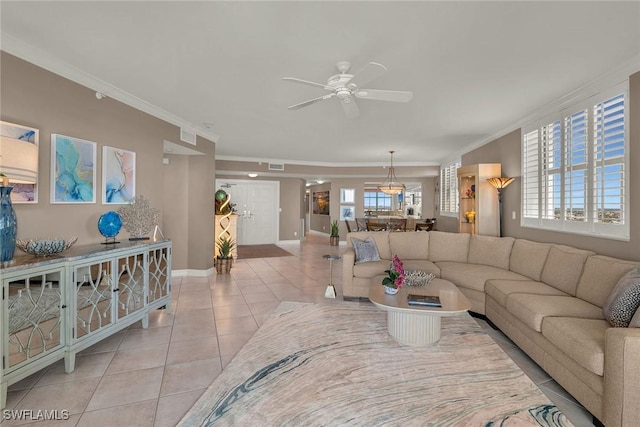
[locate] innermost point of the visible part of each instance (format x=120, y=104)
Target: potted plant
x=334, y=239
x=224, y=259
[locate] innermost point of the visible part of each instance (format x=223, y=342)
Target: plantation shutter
x=609, y=161
x=530, y=176
x=575, y=168
x=551, y=171
x=449, y=189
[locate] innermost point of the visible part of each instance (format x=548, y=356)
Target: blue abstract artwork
x=23, y=192
x=118, y=175
x=73, y=175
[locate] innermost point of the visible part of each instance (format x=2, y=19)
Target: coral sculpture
x=138, y=218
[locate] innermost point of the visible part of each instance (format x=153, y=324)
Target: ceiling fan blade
x=385, y=95
x=305, y=82
x=369, y=73
x=311, y=101
x=350, y=108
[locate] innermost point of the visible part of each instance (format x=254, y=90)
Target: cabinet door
x=93, y=297
x=159, y=273
x=35, y=307
x=130, y=280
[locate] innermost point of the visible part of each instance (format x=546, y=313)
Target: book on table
x=424, y=300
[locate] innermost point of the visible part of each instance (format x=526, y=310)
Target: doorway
x=257, y=206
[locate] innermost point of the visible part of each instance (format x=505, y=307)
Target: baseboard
x=193, y=273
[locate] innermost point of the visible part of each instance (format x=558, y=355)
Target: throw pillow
x=635, y=320
x=366, y=250
x=623, y=300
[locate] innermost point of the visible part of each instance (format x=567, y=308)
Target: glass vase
x=8, y=225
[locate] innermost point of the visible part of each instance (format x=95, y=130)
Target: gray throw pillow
x=623, y=300
x=635, y=320
x=366, y=250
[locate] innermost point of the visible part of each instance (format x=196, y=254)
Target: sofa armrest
x=620, y=404
x=348, y=262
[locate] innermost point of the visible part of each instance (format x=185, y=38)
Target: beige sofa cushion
x=563, y=267
x=528, y=258
x=601, y=273
x=532, y=309
x=499, y=289
x=489, y=250
x=370, y=269
x=448, y=246
x=410, y=245
x=473, y=276
x=381, y=238
x=580, y=339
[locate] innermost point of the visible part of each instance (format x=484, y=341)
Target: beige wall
x=34, y=97
x=507, y=150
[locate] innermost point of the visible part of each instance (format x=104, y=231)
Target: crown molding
x=44, y=60
x=599, y=84
x=324, y=164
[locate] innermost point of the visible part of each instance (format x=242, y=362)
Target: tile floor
x=152, y=377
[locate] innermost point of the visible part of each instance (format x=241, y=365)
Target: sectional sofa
x=547, y=298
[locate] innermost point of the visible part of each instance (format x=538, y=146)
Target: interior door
x=257, y=206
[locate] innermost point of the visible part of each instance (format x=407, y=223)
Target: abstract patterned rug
x=260, y=251
x=335, y=364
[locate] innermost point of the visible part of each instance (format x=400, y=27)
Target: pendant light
x=391, y=185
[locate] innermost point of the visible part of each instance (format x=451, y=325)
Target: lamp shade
x=500, y=182
x=19, y=160
x=391, y=185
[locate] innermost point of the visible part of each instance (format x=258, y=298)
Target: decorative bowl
x=418, y=278
x=45, y=247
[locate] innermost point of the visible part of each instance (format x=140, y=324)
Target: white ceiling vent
x=276, y=166
x=188, y=136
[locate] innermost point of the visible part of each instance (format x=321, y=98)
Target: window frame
x=590, y=226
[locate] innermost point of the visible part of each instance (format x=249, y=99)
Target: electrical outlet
x=513, y=214
x=295, y=233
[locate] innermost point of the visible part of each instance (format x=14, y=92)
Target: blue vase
x=8, y=225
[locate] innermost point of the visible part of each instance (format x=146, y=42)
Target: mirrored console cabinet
x=53, y=308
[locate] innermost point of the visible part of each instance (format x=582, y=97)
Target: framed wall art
x=347, y=212
x=118, y=176
x=19, y=145
x=321, y=203
x=73, y=172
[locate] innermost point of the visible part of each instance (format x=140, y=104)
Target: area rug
x=260, y=251
x=335, y=364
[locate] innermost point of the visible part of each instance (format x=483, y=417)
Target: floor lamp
x=500, y=183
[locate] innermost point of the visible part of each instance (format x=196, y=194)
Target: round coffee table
x=419, y=326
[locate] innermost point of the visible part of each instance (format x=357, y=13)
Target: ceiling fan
x=345, y=87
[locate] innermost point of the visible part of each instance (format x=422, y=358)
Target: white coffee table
x=416, y=325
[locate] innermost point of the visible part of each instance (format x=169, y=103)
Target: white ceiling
x=476, y=68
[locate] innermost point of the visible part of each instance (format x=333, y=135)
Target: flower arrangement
x=395, y=274
x=471, y=192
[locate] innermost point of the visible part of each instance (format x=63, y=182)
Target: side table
x=330, y=292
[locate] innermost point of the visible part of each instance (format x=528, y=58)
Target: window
x=449, y=189
x=377, y=201
x=574, y=171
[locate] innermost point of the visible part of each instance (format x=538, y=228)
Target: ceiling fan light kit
x=391, y=185
x=346, y=87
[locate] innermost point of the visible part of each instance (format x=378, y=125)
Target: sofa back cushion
x=380, y=237
x=563, y=267
x=448, y=246
x=528, y=258
x=600, y=275
x=488, y=250
x=409, y=245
